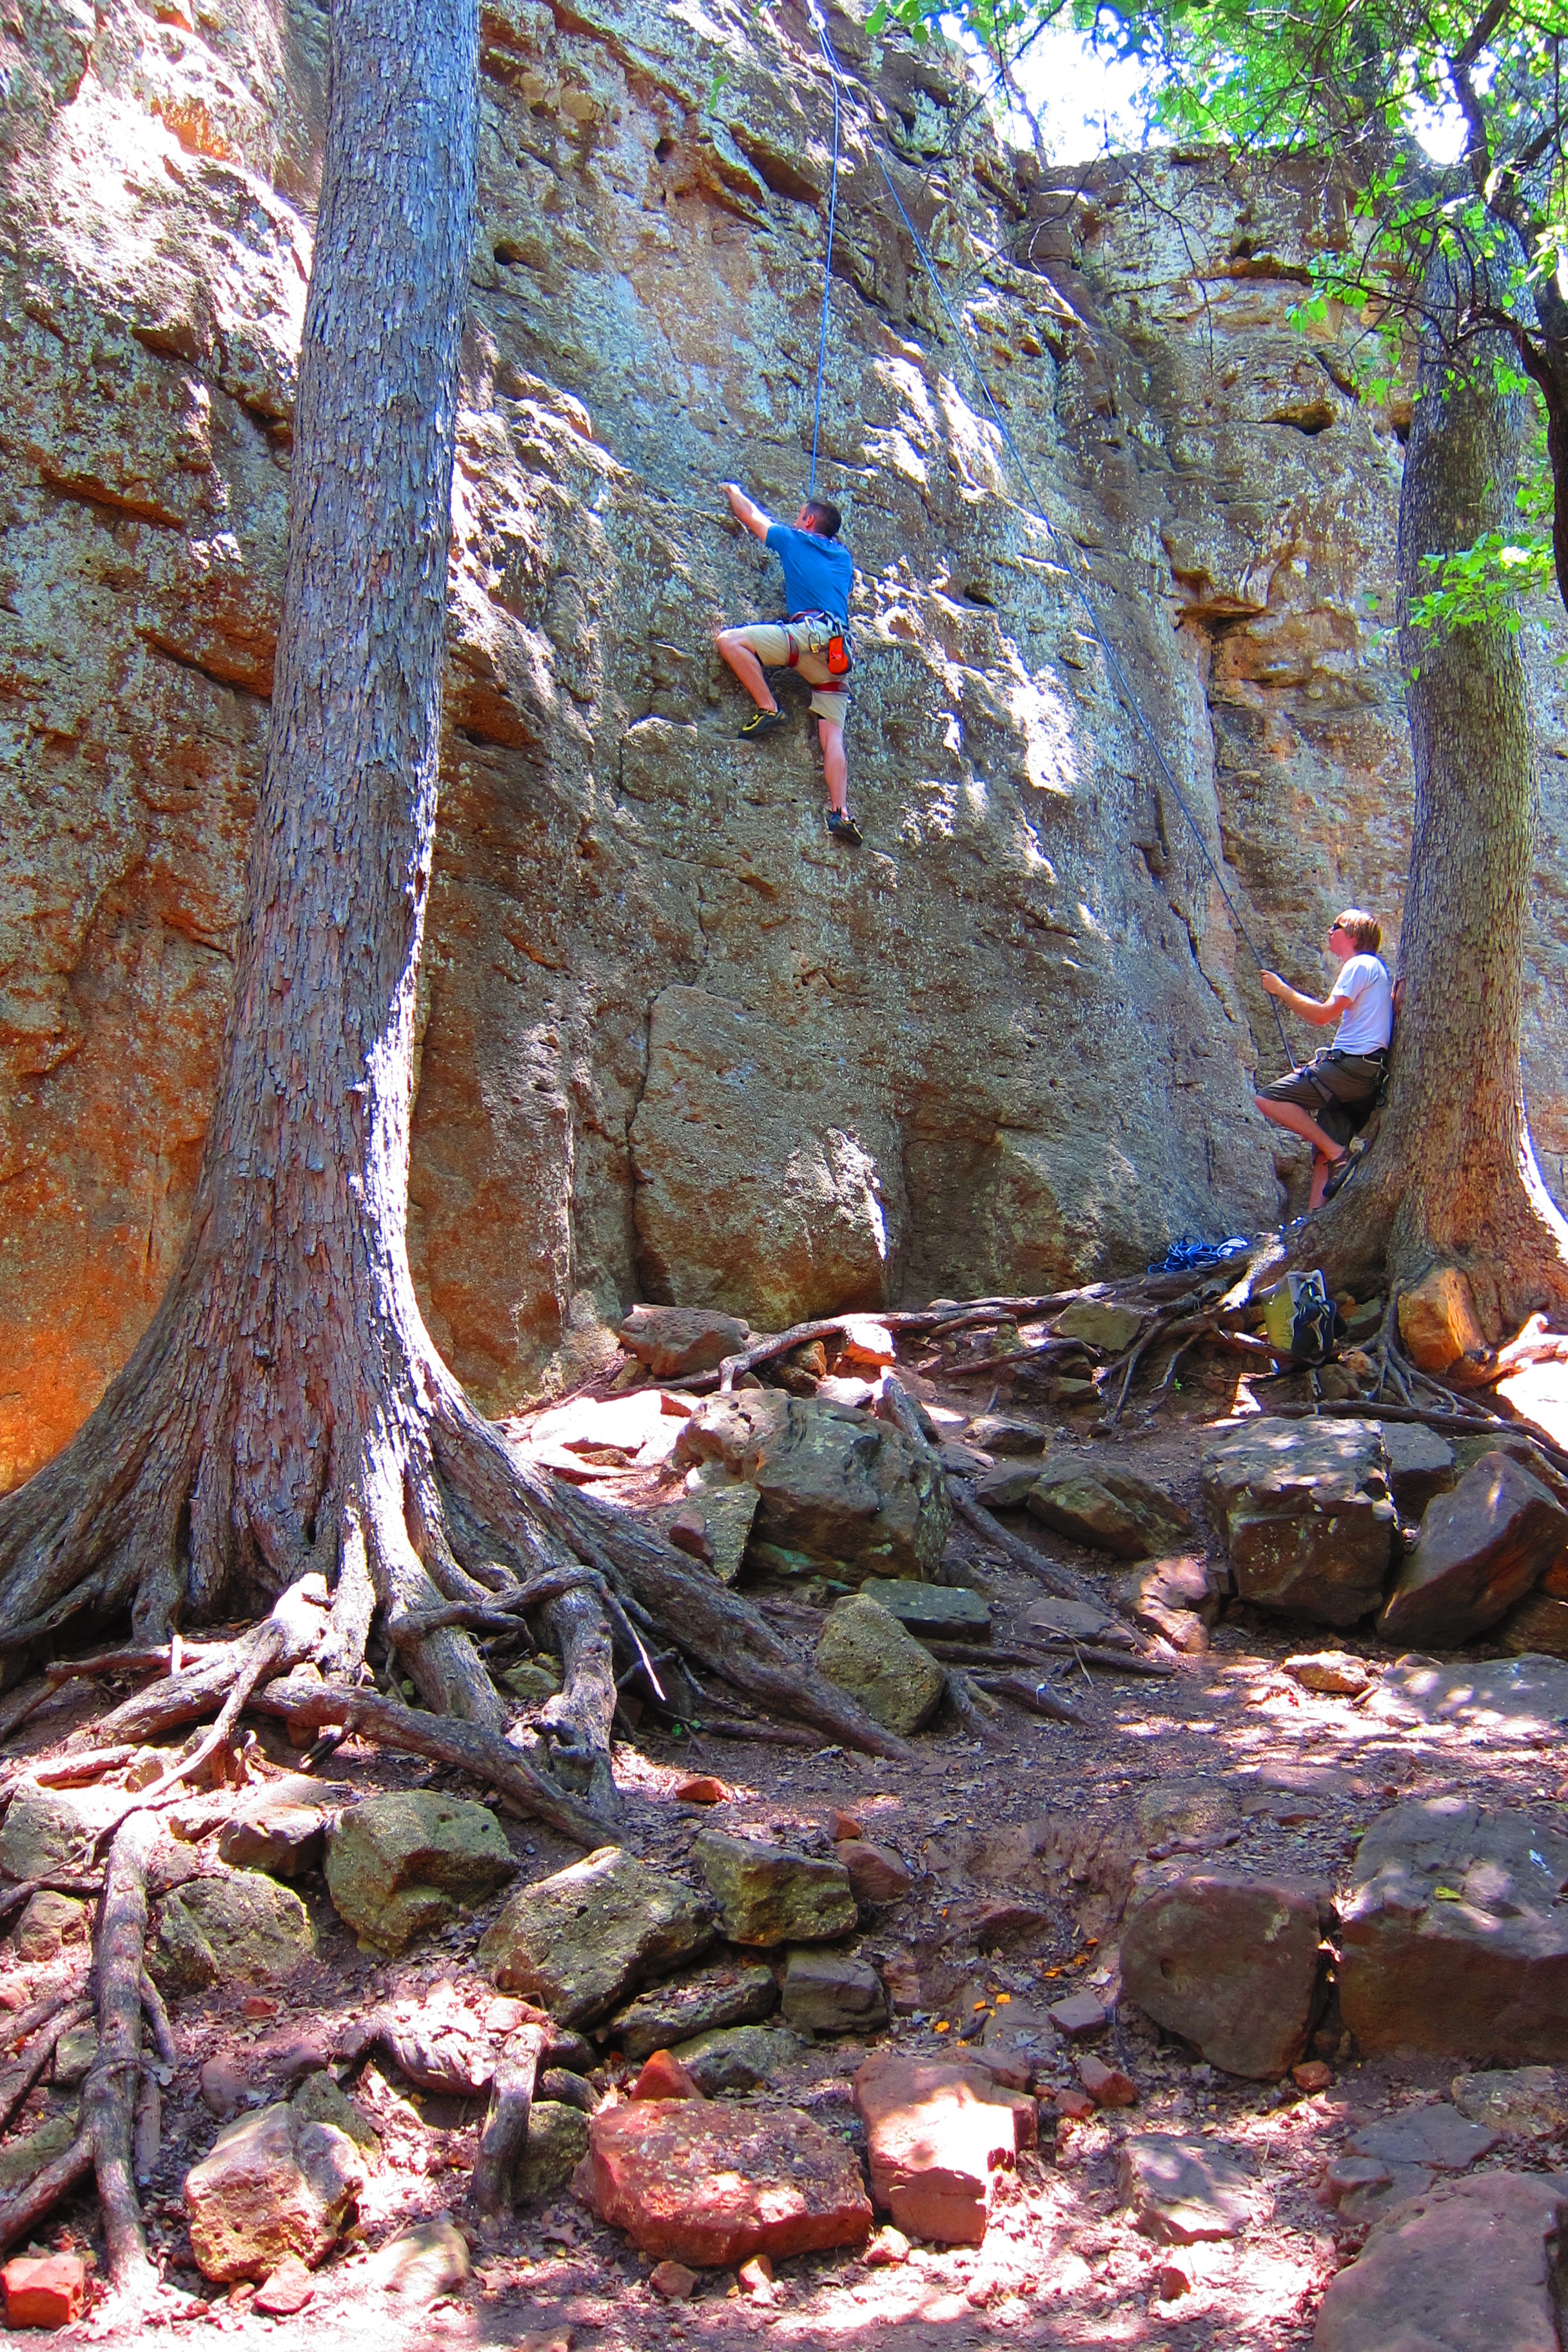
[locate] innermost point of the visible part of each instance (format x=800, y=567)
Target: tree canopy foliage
x=1363, y=81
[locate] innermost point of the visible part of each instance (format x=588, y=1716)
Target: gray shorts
x=1338, y=1090
x=771, y=642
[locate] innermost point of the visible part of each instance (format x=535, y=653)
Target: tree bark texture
x=1453, y=1178
x=274, y=1416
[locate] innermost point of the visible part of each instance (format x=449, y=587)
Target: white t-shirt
x=1368, y=1025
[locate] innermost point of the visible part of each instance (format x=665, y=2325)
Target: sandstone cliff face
x=675, y=1042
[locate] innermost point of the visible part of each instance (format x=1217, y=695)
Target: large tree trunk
x=1452, y=1178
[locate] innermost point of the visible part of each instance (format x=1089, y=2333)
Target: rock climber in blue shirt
x=819, y=572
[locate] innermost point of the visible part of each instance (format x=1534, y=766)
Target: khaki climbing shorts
x=771, y=642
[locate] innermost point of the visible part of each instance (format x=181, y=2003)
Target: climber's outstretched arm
x=746, y=511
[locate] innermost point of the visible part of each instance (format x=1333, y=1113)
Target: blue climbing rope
x=1035, y=506
x=827, y=263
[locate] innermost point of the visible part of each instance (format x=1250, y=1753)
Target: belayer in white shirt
x=1328, y=1100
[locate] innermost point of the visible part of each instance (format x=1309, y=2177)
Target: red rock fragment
x=1072, y=2107
x=288, y=2289
x=664, y=2077
x=713, y=2184
x=877, y=1875
x=1108, y=2086
x=756, y=2278
x=689, y=1533
x=1312, y=2074
x=43, y=2290
x=701, y=1789
x=938, y=2134
x=841, y=1826
x=1174, y=2283
x=673, y=2281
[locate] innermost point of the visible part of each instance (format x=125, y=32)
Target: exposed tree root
x=505, y=2131
x=109, y=2097
x=444, y=1740
x=973, y=1712
x=16, y=2087
x=1036, y=1696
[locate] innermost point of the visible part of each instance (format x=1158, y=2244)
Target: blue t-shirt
x=818, y=573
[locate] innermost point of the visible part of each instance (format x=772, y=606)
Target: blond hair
x=1362, y=929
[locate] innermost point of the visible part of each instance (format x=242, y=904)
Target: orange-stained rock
x=700, y=1789
x=877, y=1875
x=939, y=2133
x=1108, y=2086
x=1438, y=1321
x=43, y=2290
x=672, y=2281
x=664, y=2077
x=713, y=2184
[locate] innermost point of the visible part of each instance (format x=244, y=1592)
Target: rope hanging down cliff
x=1034, y=504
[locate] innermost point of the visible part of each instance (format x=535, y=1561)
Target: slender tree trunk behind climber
x=1452, y=1178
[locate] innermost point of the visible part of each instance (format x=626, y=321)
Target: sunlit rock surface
x=677, y=1044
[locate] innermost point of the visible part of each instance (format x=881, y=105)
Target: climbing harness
x=1035, y=504
x=823, y=634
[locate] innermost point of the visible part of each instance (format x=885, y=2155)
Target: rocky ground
x=998, y=1902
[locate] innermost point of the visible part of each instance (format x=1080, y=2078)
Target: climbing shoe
x=843, y=827
x=761, y=722
x=1345, y=1166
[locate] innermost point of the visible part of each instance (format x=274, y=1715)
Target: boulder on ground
x=866, y=1653
x=839, y=1490
x=1230, y=1963
x=713, y=1523
x=1472, y=2267
x=1337, y=1674
x=713, y=2184
x=937, y=2135
x=47, y=1830
x=1520, y=2102
x=1507, y=1699
x=24, y=2154
x=1307, y=1514
x=943, y=1611
x=275, y=2184
x=1190, y=1813
x=1420, y=1465
x=1109, y=1510
x=235, y=1926
x=737, y=2057
x=1480, y=1548
x=1006, y=1434
x=49, y=1923
x=1182, y=2192
x=557, y=2143
x=1175, y=1598
x=319, y=2100
x=1536, y=1626
x=674, y=1340
x=1005, y=1487
x=877, y=1875
x=1452, y=1939
x=737, y=1992
x=281, y=1826
x=398, y=1865
x=768, y=1895
x=422, y=2262
x=664, y=2077
x=1099, y=1323
x=579, y=1942
x=832, y=1992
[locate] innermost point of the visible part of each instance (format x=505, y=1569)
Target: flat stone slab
x=1465, y=2268
x=938, y=2134
x=1006, y=1486
x=736, y=1993
x=1229, y=1962
x=1480, y=1549
x=577, y=1943
x=1523, y=1698
x=768, y=1895
x=1078, y=2014
x=1453, y=1938
x=1182, y=2192
x=712, y=2184
x=949, y=1610
x=1307, y=1514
